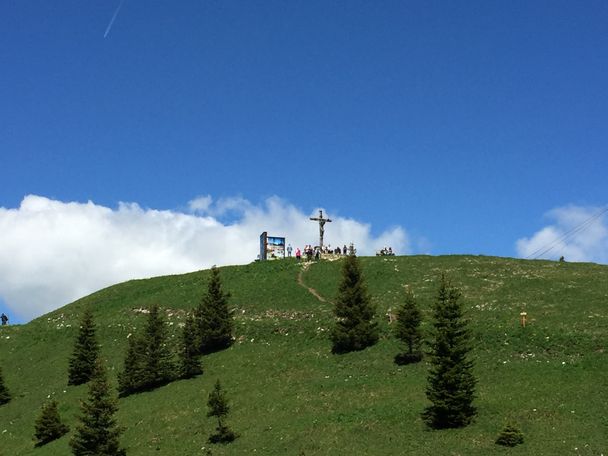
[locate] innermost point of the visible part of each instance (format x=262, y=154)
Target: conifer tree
x=5, y=395
x=407, y=330
x=355, y=327
x=451, y=384
x=189, y=363
x=510, y=436
x=132, y=376
x=48, y=425
x=213, y=318
x=86, y=350
x=218, y=407
x=98, y=433
x=148, y=361
x=159, y=366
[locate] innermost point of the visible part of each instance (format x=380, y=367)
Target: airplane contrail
x=113, y=18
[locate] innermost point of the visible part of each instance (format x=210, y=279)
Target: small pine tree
x=149, y=361
x=510, y=436
x=86, y=350
x=132, y=376
x=48, y=425
x=218, y=407
x=189, y=363
x=355, y=327
x=159, y=366
x=213, y=318
x=97, y=434
x=451, y=384
x=5, y=395
x=407, y=330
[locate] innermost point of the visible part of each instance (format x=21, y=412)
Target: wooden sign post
x=523, y=316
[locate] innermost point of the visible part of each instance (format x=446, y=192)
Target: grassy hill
x=291, y=396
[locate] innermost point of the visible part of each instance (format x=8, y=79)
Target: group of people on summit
x=386, y=251
x=315, y=252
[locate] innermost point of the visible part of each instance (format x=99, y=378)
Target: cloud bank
x=53, y=252
x=577, y=233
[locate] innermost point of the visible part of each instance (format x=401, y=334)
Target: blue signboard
x=271, y=247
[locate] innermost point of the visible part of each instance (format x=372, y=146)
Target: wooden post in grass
x=523, y=316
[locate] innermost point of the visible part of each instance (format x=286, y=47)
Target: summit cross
x=321, y=221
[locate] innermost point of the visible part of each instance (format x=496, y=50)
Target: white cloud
x=200, y=204
x=577, y=233
x=53, y=252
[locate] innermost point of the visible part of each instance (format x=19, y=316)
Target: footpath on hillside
x=311, y=290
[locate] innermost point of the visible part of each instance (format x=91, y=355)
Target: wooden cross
x=321, y=221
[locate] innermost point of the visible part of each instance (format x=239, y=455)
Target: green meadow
x=291, y=396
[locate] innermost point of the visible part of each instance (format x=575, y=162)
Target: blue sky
x=440, y=127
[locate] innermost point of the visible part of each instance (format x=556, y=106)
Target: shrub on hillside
x=48, y=425
x=510, y=436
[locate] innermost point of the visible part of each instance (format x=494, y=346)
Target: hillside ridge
x=290, y=395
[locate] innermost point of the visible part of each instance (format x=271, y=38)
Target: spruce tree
x=189, y=363
x=48, y=425
x=132, y=376
x=5, y=395
x=218, y=407
x=510, y=436
x=407, y=330
x=97, y=434
x=86, y=350
x=213, y=318
x=159, y=366
x=148, y=361
x=355, y=328
x=451, y=384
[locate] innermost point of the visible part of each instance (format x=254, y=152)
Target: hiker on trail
x=4, y=319
x=298, y=254
x=344, y=251
x=289, y=250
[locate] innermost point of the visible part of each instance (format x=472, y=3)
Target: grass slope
x=291, y=396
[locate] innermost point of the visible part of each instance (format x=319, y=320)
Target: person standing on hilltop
x=298, y=254
x=4, y=319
